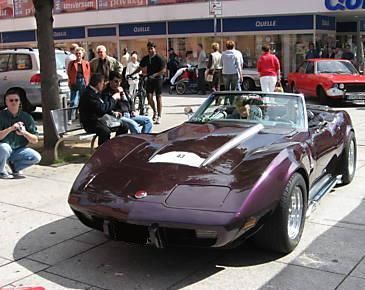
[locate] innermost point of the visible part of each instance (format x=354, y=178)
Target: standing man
x=202, y=67
x=92, y=107
x=17, y=129
x=312, y=52
x=232, y=69
x=348, y=54
x=173, y=63
x=156, y=67
x=268, y=67
x=104, y=64
x=70, y=57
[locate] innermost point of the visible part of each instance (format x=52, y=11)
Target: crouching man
x=17, y=129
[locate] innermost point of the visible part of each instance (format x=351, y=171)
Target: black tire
x=180, y=88
x=248, y=84
x=274, y=235
x=346, y=169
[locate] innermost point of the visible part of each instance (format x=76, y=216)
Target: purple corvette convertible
x=245, y=164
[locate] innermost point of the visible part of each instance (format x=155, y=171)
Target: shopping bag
x=279, y=88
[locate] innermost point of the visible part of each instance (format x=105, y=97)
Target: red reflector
x=140, y=194
x=35, y=80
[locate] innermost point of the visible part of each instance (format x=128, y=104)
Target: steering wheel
x=219, y=113
x=255, y=113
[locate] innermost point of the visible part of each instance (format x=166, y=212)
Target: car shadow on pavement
x=92, y=260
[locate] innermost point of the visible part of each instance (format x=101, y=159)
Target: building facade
x=287, y=26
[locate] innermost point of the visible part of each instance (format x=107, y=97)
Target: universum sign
x=335, y=5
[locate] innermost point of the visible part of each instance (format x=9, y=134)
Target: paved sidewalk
x=43, y=244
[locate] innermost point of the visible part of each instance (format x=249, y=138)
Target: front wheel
x=284, y=228
x=348, y=160
x=180, y=88
x=248, y=85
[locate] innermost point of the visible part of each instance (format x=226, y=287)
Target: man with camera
x=17, y=129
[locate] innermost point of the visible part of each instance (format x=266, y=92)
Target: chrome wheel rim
x=246, y=85
x=295, y=213
x=351, y=158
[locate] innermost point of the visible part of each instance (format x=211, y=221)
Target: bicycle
x=139, y=97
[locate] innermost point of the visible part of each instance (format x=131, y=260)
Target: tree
x=49, y=78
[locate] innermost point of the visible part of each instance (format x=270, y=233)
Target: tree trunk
x=49, y=78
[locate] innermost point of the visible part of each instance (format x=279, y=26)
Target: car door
x=4, y=60
x=324, y=136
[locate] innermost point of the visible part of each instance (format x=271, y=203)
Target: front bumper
x=358, y=97
x=143, y=222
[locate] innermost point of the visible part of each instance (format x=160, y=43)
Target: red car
x=329, y=79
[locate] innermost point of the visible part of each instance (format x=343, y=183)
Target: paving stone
x=135, y=267
x=4, y=261
x=50, y=282
x=7, y=210
x=262, y=276
x=93, y=237
x=31, y=231
x=350, y=215
x=60, y=252
x=360, y=270
x=18, y=270
x=352, y=283
x=333, y=249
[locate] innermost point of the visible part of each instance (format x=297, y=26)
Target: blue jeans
x=20, y=158
x=135, y=122
x=76, y=92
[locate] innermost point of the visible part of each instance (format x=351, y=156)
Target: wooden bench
x=68, y=132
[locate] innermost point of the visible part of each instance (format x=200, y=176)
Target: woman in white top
x=132, y=67
x=215, y=66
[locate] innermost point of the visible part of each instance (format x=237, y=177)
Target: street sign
x=215, y=7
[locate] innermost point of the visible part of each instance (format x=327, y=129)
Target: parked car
x=231, y=171
x=20, y=69
x=332, y=80
x=251, y=79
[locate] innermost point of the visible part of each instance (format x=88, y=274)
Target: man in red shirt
x=268, y=67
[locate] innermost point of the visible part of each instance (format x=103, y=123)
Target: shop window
x=4, y=58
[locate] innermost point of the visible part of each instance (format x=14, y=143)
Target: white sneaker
x=5, y=175
x=69, y=122
x=158, y=120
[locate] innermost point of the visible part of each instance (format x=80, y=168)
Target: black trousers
x=201, y=80
x=103, y=132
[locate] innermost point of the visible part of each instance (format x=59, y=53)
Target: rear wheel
x=348, y=160
x=248, y=85
x=180, y=88
x=283, y=230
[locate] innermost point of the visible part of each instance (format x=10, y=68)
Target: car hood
x=338, y=78
x=135, y=169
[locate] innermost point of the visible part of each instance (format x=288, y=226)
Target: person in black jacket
x=92, y=107
x=124, y=108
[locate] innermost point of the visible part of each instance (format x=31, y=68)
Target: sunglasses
x=14, y=100
x=117, y=81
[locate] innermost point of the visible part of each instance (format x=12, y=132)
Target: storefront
x=287, y=26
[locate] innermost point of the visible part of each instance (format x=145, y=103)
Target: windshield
x=269, y=109
x=60, y=60
x=335, y=67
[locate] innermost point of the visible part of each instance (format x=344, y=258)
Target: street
x=44, y=244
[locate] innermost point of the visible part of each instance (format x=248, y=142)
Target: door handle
x=5, y=78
